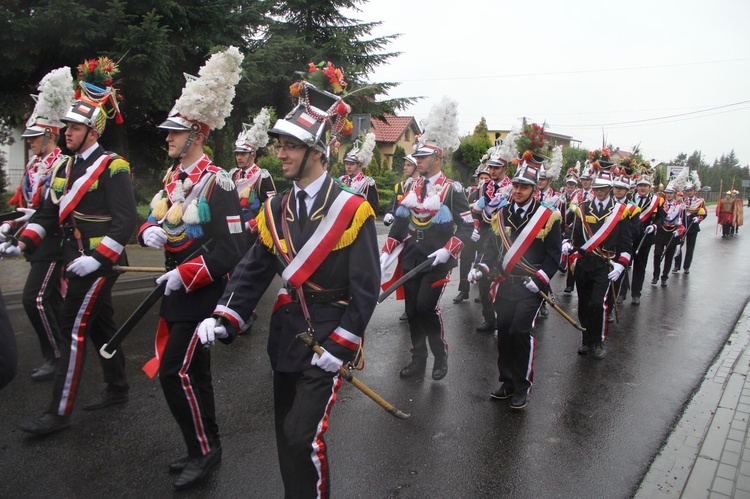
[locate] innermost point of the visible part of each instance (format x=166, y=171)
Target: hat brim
x=283, y=127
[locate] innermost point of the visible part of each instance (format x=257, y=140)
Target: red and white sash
x=244, y=182
x=326, y=236
x=605, y=230
x=526, y=237
x=649, y=210
x=80, y=187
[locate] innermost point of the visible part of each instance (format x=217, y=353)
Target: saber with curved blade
x=416, y=270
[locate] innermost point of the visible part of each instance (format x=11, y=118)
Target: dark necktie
x=302, y=208
x=77, y=160
x=541, y=197
x=424, y=190
x=600, y=207
x=519, y=212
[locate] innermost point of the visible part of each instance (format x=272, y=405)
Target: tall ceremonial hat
x=645, y=174
x=602, y=179
x=95, y=96
x=694, y=182
x=253, y=137
x=601, y=159
x=621, y=179
x=678, y=183
x=504, y=151
x=531, y=160
x=440, y=130
x=206, y=100
x=52, y=102
x=552, y=172
x=320, y=115
x=482, y=168
x=572, y=174
x=362, y=151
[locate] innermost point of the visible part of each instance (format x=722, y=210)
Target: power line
x=580, y=71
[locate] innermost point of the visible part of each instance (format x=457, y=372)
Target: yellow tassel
x=245, y=193
x=94, y=242
x=364, y=211
x=117, y=166
x=548, y=226
x=263, y=233
x=160, y=208
x=58, y=184
x=175, y=214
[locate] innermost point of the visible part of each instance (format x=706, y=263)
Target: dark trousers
x=666, y=248
x=302, y=404
x=42, y=299
x=87, y=311
x=688, y=247
x=423, y=294
x=593, y=287
x=8, y=353
x=570, y=279
x=515, y=345
x=185, y=376
x=640, y=262
x=622, y=284
x=464, y=266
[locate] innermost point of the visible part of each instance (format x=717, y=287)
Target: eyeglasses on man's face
x=288, y=146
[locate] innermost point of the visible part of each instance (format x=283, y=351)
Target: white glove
x=84, y=265
x=474, y=275
x=650, y=228
x=441, y=256
x=209, y=330
x=566, y=247
x=154, y=237
x=10, y=250
x=173, y=279
x=617, y=269
x=531, y=286
x=27, y=212
x=5, y=230
x=388, y=219
x=475, y=235
x=327, y=362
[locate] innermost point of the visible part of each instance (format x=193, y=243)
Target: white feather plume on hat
x=255, y=136
x=441, y=126
x=508, y=150
x=362, y=151
x=695, y=179
x=678, y=183
x=552, y=172
x=54, y=99
x=208, y=98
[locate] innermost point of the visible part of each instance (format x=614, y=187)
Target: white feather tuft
x=362, y=151
x=257, y=135
x=208, y=98
x=678, y=183
x=441, y=126
x=508, y=151
x=555, y=165
x=55, y=97
x=695, y=179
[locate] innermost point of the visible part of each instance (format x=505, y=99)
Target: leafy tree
x=3, y=175
x=397, y=162
x=481, y=129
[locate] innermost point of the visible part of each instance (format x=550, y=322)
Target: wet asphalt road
x=590, y=429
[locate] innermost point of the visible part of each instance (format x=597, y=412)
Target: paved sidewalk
x=708, y=452
x=13, y=272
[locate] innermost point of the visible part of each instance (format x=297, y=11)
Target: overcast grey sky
x=672, y=76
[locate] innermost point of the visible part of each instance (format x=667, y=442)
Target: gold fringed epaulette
x=118, y=165
x=266, y=239
x=94, y=242
x=364, y=211
x=58, y=184
x=550, y=222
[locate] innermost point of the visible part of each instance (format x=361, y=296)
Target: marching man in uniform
x=42, y=295
x=91, y=197
x=695, y=212
x=649, y=217
x=670, y=231
x=602, y=243
x=521, y=256
x=432, y=222
x=354, y=161
x=198, y=204
x=321, y=239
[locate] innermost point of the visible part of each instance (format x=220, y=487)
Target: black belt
x=322, y=296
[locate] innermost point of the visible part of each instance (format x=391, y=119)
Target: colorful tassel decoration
x=204, y=212
x=410, y=200
x=432, y=203
x=191, y=213
x=175, y=214
x=159, y=210
x=442, y=216
x=193, y=231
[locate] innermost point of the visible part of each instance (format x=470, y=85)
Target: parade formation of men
x=226, y=234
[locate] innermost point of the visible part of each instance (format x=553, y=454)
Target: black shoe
x=502, y=393
x=518, y=401
x=45, y=372
x=248, y=326
x=105, y=399
x=636, y=300
x=416, y=367
x=46, y=424
x=486, y=326
x=674, y=271
x=461, y=296
x=404, y=317
x=477, y=300
x=663, y=282
x=611, y=315
x=568, y=289
x=543, y=311
x=440, y=368
x=687, y=271
x=584, y=349
x=178, y=464
x=197, y=469
x=654, y=281
x=599, y=352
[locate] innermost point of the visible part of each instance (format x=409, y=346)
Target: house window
x=407, y=135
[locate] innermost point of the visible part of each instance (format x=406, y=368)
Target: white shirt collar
x=85, y=154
